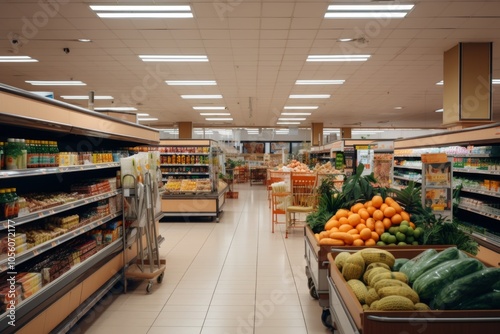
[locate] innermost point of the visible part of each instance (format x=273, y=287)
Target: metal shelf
x=407, y=178
x=182, y=165
x=476, y=171
x=26, y=306
x=408, y=167
x=181, y=153
x=480, y=212
x=4, y=174
x=39, y=249
x=481, y=192
x=58, y=209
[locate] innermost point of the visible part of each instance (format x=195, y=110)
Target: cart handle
x=394, y=319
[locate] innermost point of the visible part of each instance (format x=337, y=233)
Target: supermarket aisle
x=234, y=277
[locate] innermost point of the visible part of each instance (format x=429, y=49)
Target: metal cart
x=139, y=223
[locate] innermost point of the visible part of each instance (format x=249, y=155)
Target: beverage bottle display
x=4, y=205
x=12, y=152
x=55, y=150
x=1, y=155
x=13, y=207
x=22, y=159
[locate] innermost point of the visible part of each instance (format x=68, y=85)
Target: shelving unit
x=195, y=160
x=59, y=300
x=475, y=154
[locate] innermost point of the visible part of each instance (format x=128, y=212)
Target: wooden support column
x=316, y=134
x=185, y=130
x=345, y=133
x=467, y=89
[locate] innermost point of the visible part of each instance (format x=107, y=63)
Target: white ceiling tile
x=212, y=23
x=185, y=34
x=275, y=23
x=273, y=34
x=214, y=34
x=275, y=10
x=244, y=23
x=306, y=23
x=313, y=10
x=244, y=34
x=272, y=43
x=242, y=9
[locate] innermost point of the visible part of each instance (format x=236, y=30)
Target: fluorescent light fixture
x=346, y=39
x=367, y=11
x=295, y=114
x=215, y=114
x=174, y=58
x=86, y=97
x=142, y=114
x=17, y=59
x=219, y=119
x=398, y=108
x=366, y=131
x=215, y=96
x=338, y=57
x=142, y=11
x=309, y=96
x=287, y=123
x=56, y=83
x=291, y=119
x=493, y=81
x=319, y=82
x=191, y=82
x=119, y=109
x=140, y=119
x=209, y=108
x=440, y=110
x=300, y=107
x=84, y=40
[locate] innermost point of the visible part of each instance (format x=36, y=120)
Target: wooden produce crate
x=317, y=261
x=349, y=316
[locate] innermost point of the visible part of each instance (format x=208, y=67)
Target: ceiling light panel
x=288, y=123
x=147, y=119
x=317, y=58
x=214, y=96
x=191, y=82
x=295, y=114
x=309, y=96
x=359, y=11
x=219, y=119
x=209, y=108
x=56, y=83
x=300, y=107
x=17, y=59
x=119, y=109
x=319, y=82
x=215, y=114
x=153, y=12
x=174, y=58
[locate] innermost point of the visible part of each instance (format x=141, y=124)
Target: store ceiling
x=257, y=50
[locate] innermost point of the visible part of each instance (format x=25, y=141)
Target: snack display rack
x=74, y=290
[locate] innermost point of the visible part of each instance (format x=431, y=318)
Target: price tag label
x=35, y=252
x=55, y=243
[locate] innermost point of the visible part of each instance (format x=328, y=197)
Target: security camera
x=14, y=41
x=66, y=50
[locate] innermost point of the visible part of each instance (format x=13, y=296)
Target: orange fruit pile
x=363, y=223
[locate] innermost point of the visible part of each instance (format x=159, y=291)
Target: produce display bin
x=317, y=266
x=349, y=316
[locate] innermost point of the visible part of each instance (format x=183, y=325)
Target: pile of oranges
x=363, y=223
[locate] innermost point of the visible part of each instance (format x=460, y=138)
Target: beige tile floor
x=231, y=277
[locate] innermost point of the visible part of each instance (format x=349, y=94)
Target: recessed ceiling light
x=84, y=40
x=17, y=59
x=140, y=119
x=301, y=107
x=288, y=123
x=215, y=96
x=56, y=83
x=440, y=110
x=338, y=57
x=191, y=82
x=86, y=97
x=174, y=58
x=440, y=83
x=493, y=81
x=118, y=11
x=309, y=96
x=319, y=82
x=209, y=108
x=398, y=108
x=219, y=119
x=119, y=109
x=291, y=119
x=215, y=114
x=366, y=131
x=142, y=114
x=368, y=11
x=295, y=114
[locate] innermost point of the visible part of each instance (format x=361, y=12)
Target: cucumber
x=421, y=267
x=399, y=263
x=466, y=288
x=430, y=283
x=486, y=301
x=407, y=268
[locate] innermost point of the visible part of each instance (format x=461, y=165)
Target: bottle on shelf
x=22, y=160
x=12, y=152
x=1, y=155
x=4, y=205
